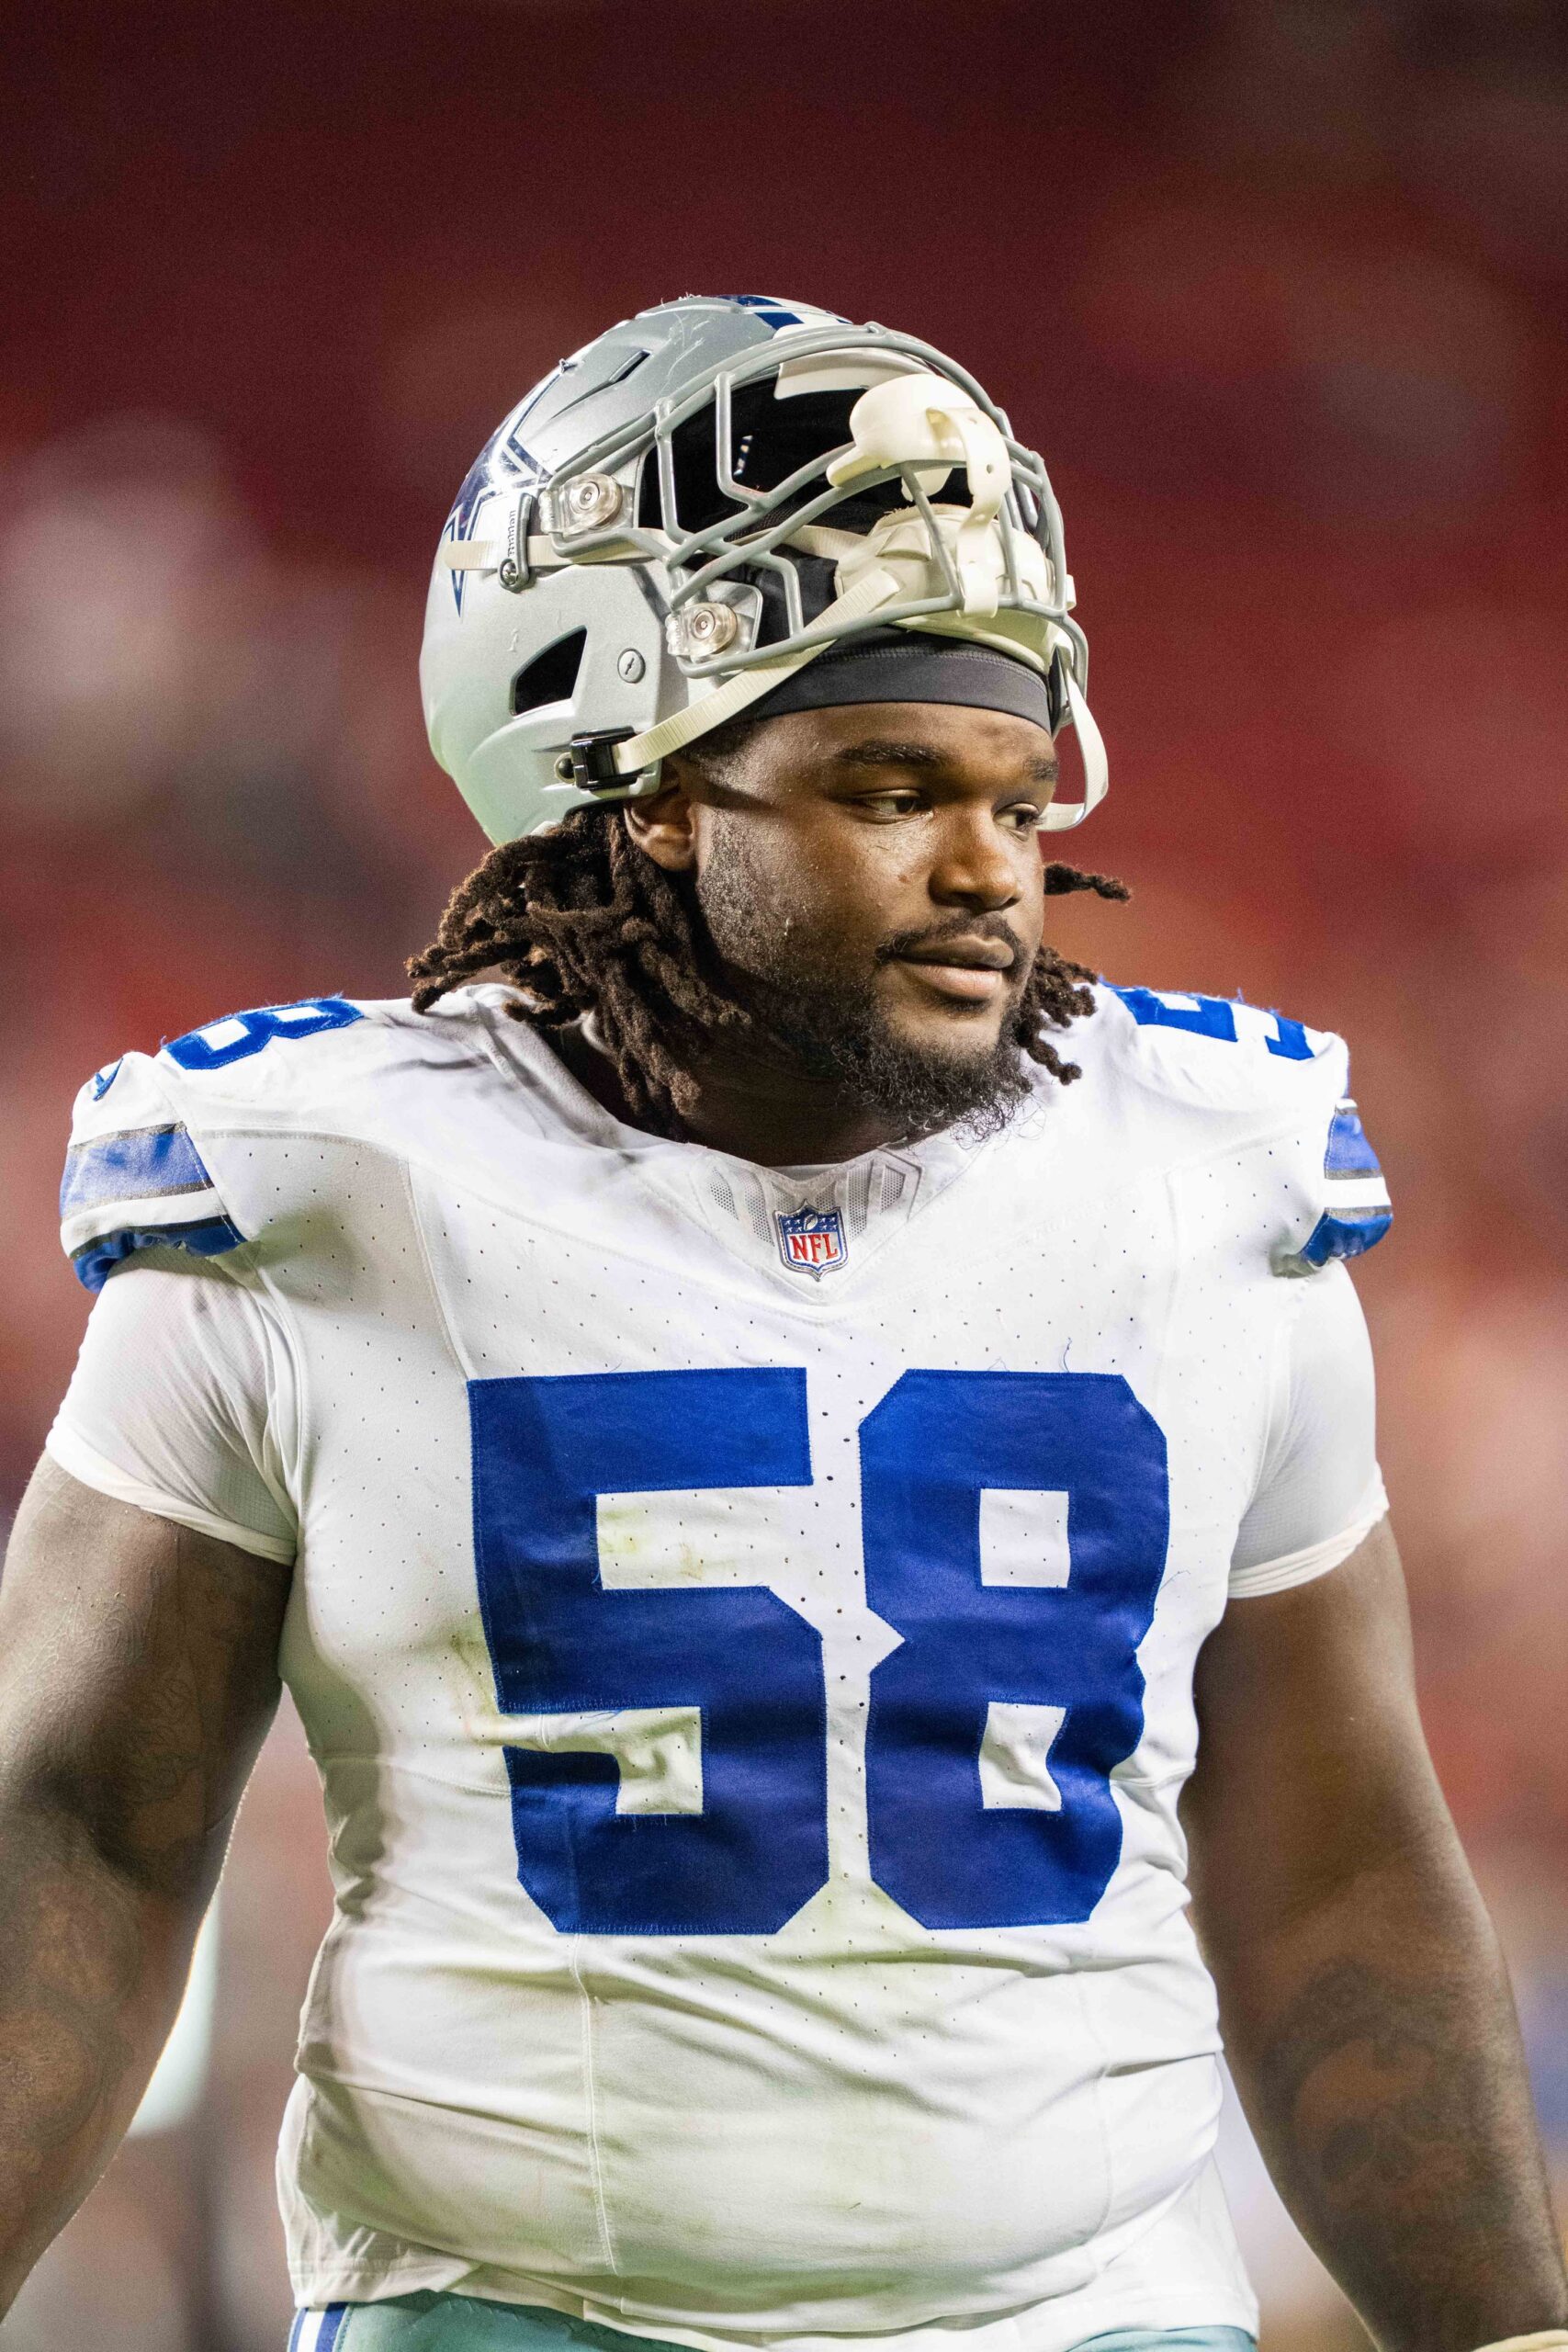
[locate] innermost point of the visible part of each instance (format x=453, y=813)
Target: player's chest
x=974, y=1396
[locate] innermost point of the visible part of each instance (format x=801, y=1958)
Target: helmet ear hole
x=550, y=676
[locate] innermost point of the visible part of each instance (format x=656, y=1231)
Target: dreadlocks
x=584, y=922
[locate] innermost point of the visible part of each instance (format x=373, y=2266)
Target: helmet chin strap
x=1060, y=818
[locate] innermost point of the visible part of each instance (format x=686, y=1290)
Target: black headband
x=912, y=666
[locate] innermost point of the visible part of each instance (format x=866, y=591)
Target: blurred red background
x=1279, y=289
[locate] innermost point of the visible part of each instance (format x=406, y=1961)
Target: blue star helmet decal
x=502, y=461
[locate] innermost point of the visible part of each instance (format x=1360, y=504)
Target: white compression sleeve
x=1320, y=1491
x=181, y=1403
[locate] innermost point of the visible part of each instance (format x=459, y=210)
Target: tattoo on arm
x=73, y=1953
x=1365, y=2005
x=1389, y=2087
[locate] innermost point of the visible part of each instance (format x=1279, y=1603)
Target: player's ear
x=665, y=823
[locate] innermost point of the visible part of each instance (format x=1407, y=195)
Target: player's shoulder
x=1217, y=1075
x=1214, y=1055
x=143, y=1167
x=321, y=1060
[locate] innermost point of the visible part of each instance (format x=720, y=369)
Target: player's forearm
x=93, y=1960
x=1374, y=2042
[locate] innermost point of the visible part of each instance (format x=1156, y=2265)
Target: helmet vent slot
x=550, y=676
x=596, y=374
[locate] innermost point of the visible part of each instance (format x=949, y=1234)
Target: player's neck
x=780, y=1119
x=752, y=1108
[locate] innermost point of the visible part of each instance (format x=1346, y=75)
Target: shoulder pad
x=140, y=1172
x=178, y=1147
x=133, y=1178
x=326, y=1064
x=239, y=1037
x=1186, y=1037
x=329, y=1065
x=1210, y=1056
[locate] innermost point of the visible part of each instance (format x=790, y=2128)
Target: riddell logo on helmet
x=811, y=1242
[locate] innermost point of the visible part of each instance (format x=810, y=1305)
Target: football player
x=795, y=1455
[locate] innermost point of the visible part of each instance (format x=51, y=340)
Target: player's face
x=873, y=874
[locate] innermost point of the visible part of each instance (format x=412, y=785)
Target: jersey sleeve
x=134, y=1179
x=182, y=1402
x=183, y=1382
x=1320, y=1491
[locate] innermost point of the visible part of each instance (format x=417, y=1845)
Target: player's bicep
x=138, y=1674
x=1312, y=1764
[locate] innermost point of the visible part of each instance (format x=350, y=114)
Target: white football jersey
x=744, y=1621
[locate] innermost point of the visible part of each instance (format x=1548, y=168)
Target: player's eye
x=1022, y=817
x=896, y=800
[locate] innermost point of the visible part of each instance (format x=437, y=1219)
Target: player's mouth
x=967, y=970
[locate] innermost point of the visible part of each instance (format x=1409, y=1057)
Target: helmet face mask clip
x=587, y=762
x=707, y=498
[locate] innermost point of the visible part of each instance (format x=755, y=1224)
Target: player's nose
x=976, y=864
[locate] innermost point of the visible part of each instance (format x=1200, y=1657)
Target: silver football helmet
x=689, y=510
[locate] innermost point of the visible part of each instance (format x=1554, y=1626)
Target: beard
x=826, y=1020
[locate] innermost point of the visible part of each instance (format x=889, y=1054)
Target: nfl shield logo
x=811, y=1242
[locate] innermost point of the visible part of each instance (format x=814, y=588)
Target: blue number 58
x=545, y=1449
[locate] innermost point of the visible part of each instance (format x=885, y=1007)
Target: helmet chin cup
x=939, y=549
x=928, y=425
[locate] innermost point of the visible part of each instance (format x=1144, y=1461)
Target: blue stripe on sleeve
x=332, y=2321
x=146, y=1163
x=1349, y=1153
x=207, y=1238
x=1346, y=1235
